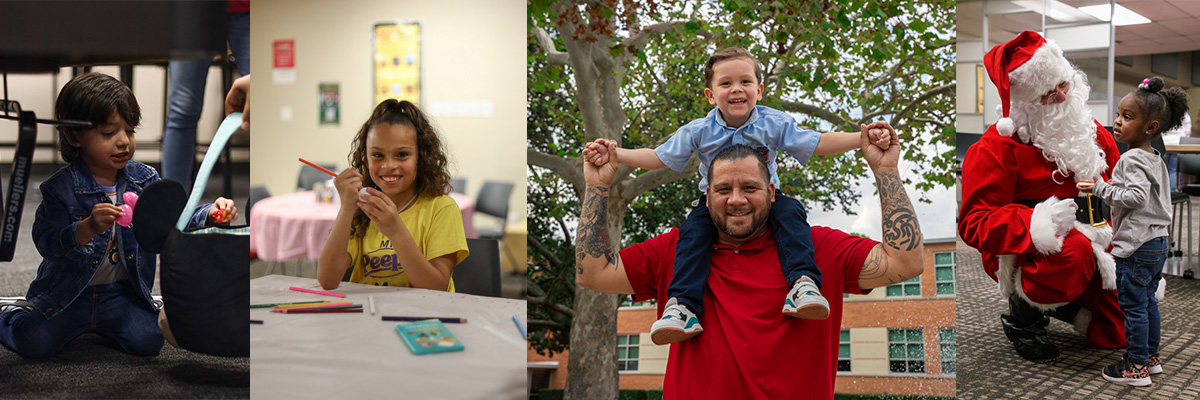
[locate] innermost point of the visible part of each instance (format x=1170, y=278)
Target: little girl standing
x=1140, y=198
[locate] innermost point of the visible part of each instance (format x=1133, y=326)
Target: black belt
x=1091, y=210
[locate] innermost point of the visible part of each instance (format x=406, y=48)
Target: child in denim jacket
x=94, y=277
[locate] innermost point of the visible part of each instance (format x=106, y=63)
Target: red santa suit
x=1010, y=184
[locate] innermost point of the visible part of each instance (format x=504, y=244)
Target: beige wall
x=473, y=51
x=37, y=92
x=1128, y=77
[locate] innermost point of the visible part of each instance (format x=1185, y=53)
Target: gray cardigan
x=1140, y=200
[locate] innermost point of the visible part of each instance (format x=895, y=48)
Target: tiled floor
x=990, y=369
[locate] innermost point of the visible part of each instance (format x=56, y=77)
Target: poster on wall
x=330, y=112
x=284, y=72
x=397, y=61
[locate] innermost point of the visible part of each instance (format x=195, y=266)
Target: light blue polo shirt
x=768, y=130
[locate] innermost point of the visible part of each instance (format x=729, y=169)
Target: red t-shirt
x=749, y=349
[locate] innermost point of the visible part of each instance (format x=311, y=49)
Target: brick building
x=898, y=339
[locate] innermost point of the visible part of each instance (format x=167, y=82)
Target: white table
x=359, y=356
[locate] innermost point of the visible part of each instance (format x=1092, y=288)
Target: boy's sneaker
x=1128, y=373
x=677, y=324
x=805, y=301
x=1154, y=367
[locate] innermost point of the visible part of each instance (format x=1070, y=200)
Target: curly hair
x=433, y=175
x=729, y=54
x=92, y=97
x=1166, y=106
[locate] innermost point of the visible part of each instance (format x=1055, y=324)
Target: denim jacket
x=67, y=266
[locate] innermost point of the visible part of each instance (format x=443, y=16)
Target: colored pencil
x=255, y=321
x=320, y=310
x=318, y=167
x=337, y=307
x=306, y=303
x=323, y=293
x=371, y=301
x=444, y=320
x=326, y=305
x=519, y=326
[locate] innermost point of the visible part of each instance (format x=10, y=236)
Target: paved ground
x=990, y=369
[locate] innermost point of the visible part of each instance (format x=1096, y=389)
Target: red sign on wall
x=285, y=53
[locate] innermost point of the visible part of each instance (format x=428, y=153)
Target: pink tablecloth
x=295, y=226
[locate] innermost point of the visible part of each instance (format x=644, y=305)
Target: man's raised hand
x=600, y=174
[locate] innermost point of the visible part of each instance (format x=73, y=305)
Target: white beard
x=1065, y=131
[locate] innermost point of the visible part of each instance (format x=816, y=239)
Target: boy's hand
x=223, y=211
x=103, y=217
x=879, y=134
x=597, y=152
x=602, y=175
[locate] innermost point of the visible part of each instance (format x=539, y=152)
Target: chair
x=309, y=176
x=458, y=185
x=1189, y=164
x=479, y=273
x=256, y=193
x=493, y=200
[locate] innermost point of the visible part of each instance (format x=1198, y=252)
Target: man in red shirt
x=749, y=349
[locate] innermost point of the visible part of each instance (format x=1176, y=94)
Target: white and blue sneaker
x=804, y=301
x=677, y=324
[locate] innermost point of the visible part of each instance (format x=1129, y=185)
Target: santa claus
x=1042, y=240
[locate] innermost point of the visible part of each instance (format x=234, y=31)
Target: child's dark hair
x=730, y=53
x=433, y=175
x=92, y=97
x=1166, y=106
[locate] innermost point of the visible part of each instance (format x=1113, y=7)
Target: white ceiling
x=1174, y=26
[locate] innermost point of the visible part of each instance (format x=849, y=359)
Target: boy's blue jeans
x=693, y=251
x=1137, y=280
x=110, y=310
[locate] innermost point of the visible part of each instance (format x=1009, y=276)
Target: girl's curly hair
x=433, y=175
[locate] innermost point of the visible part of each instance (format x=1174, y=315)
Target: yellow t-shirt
x=436, y=226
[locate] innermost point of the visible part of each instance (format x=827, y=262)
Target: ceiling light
x=1123, y=16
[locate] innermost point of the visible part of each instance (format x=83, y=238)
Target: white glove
x=1051, y=221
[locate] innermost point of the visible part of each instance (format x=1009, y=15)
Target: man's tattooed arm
x=901, y=256
x=900, y=228
x=593, y=241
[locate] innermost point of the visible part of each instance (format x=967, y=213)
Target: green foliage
x=833, y=63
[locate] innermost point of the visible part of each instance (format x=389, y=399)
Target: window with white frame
x=627, y=352
x=948, y=341
x=909, y=288
x=943, y=265
x=906, y=351
x=843, y=363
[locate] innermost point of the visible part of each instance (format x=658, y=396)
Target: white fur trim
x=1006, y=274
x=1042, y=231
x=1082, y=320
x=1040, y=74
x=1161, y=293
x=1105, y=264
x=1020, y=289
x=1005, y=127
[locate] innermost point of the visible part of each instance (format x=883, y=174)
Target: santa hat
x=1033, y=63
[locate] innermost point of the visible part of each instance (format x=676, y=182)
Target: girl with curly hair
x=396, y=225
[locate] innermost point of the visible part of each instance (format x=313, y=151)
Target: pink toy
x=126, y=217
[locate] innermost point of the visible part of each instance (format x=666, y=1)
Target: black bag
x=205, y=272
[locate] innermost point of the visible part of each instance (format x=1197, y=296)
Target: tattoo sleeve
x=900, y=228
x=593, y=240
